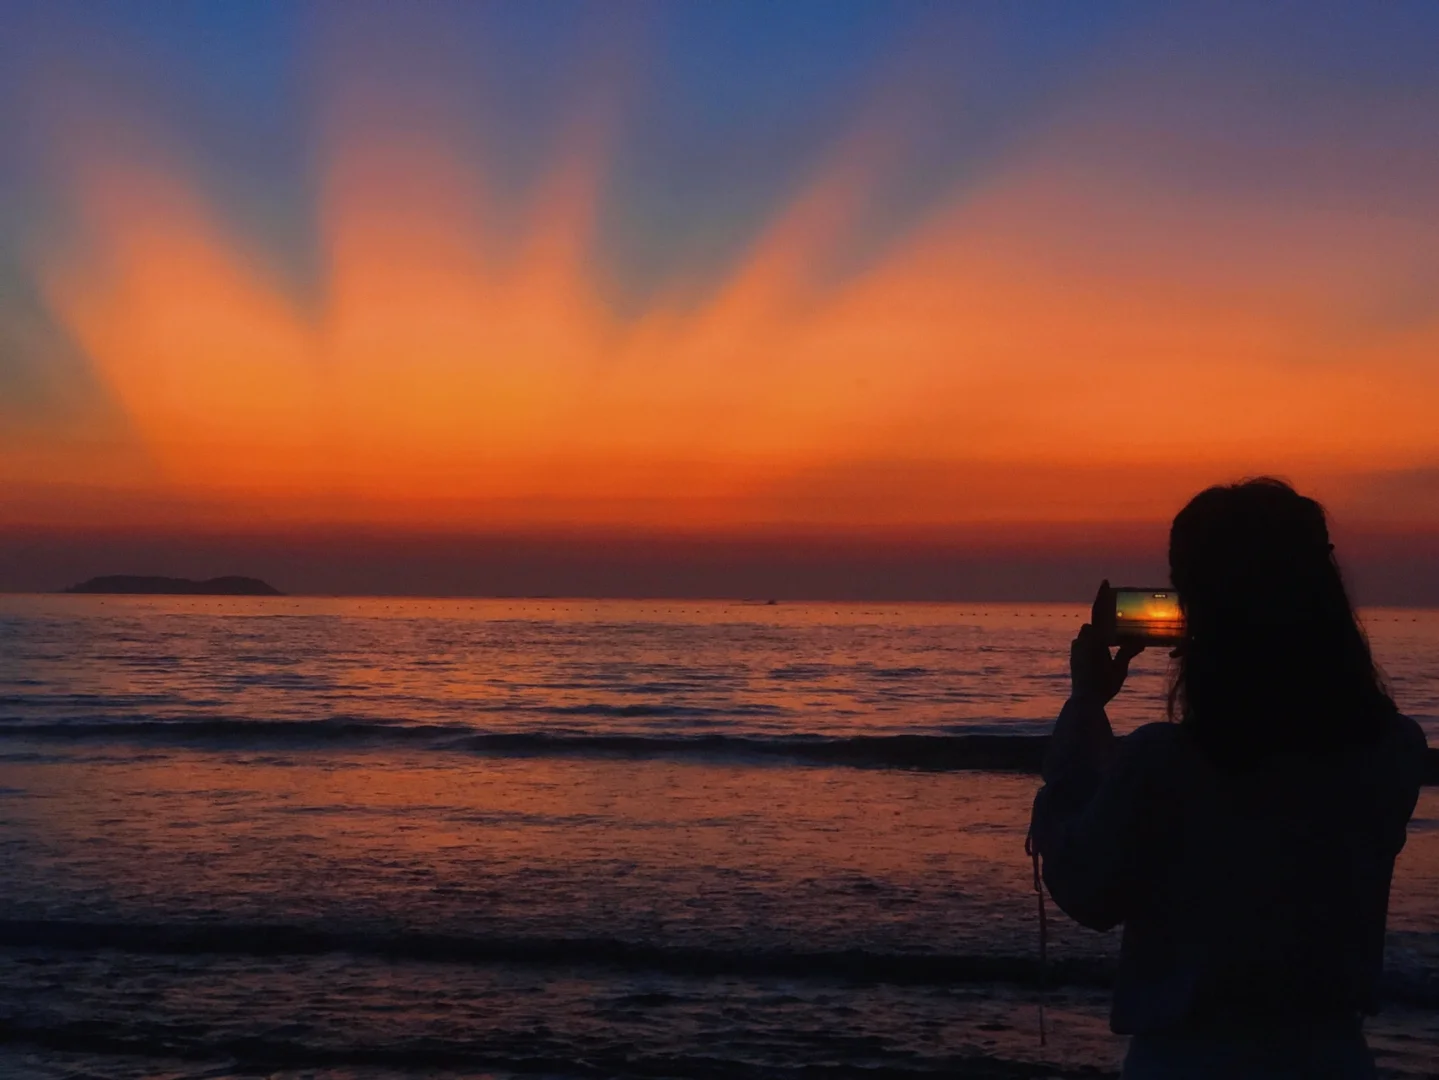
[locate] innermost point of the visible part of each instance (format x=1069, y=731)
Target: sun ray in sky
x=1075, y=328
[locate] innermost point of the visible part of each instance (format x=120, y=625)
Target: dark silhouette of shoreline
x=140, y=585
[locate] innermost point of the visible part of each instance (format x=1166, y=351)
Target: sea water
x=576, y=839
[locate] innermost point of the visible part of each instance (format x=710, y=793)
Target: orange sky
x=1084, y=332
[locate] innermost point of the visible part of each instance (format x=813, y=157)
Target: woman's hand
x=1094, y=674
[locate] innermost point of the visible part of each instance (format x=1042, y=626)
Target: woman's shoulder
x=1406, y=733
x=1392, y=773
x=1403, y=748
x=1153, y=747
x=1160, y=737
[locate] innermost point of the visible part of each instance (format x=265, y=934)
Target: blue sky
x=723, y=110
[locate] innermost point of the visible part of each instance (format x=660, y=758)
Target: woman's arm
x=1088, y=816
x=1095, y=816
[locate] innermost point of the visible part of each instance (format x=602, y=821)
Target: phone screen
x=1148, y=616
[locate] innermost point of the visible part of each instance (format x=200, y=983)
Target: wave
x=978, y=751
x=1022, y=753
x=232, y=731
x=529, y=1054
x=857, y=966
x=935, y=752
x=1414, y=986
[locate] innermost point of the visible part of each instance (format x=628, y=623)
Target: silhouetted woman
x=1248, y=848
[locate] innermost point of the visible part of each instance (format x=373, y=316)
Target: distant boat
x=137, y=585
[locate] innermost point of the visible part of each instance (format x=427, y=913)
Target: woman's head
x=1273, y=656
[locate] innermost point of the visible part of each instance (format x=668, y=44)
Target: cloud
x=1107, y=315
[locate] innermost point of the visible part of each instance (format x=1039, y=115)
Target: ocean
x=380, y=838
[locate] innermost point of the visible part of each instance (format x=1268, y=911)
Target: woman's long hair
x=1273, y=656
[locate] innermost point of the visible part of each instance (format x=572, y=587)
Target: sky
x=813, y=298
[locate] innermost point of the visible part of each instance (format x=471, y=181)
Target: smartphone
x=1146, y=617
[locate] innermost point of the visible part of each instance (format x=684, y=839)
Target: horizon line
x=753, y=601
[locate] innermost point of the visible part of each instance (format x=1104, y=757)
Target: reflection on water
x=362, y=902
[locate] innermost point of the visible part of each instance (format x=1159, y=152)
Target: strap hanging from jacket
x=1033, y=852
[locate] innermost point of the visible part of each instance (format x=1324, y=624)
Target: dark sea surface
x=383, y=838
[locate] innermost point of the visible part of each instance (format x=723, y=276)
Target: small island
x=138, y=585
